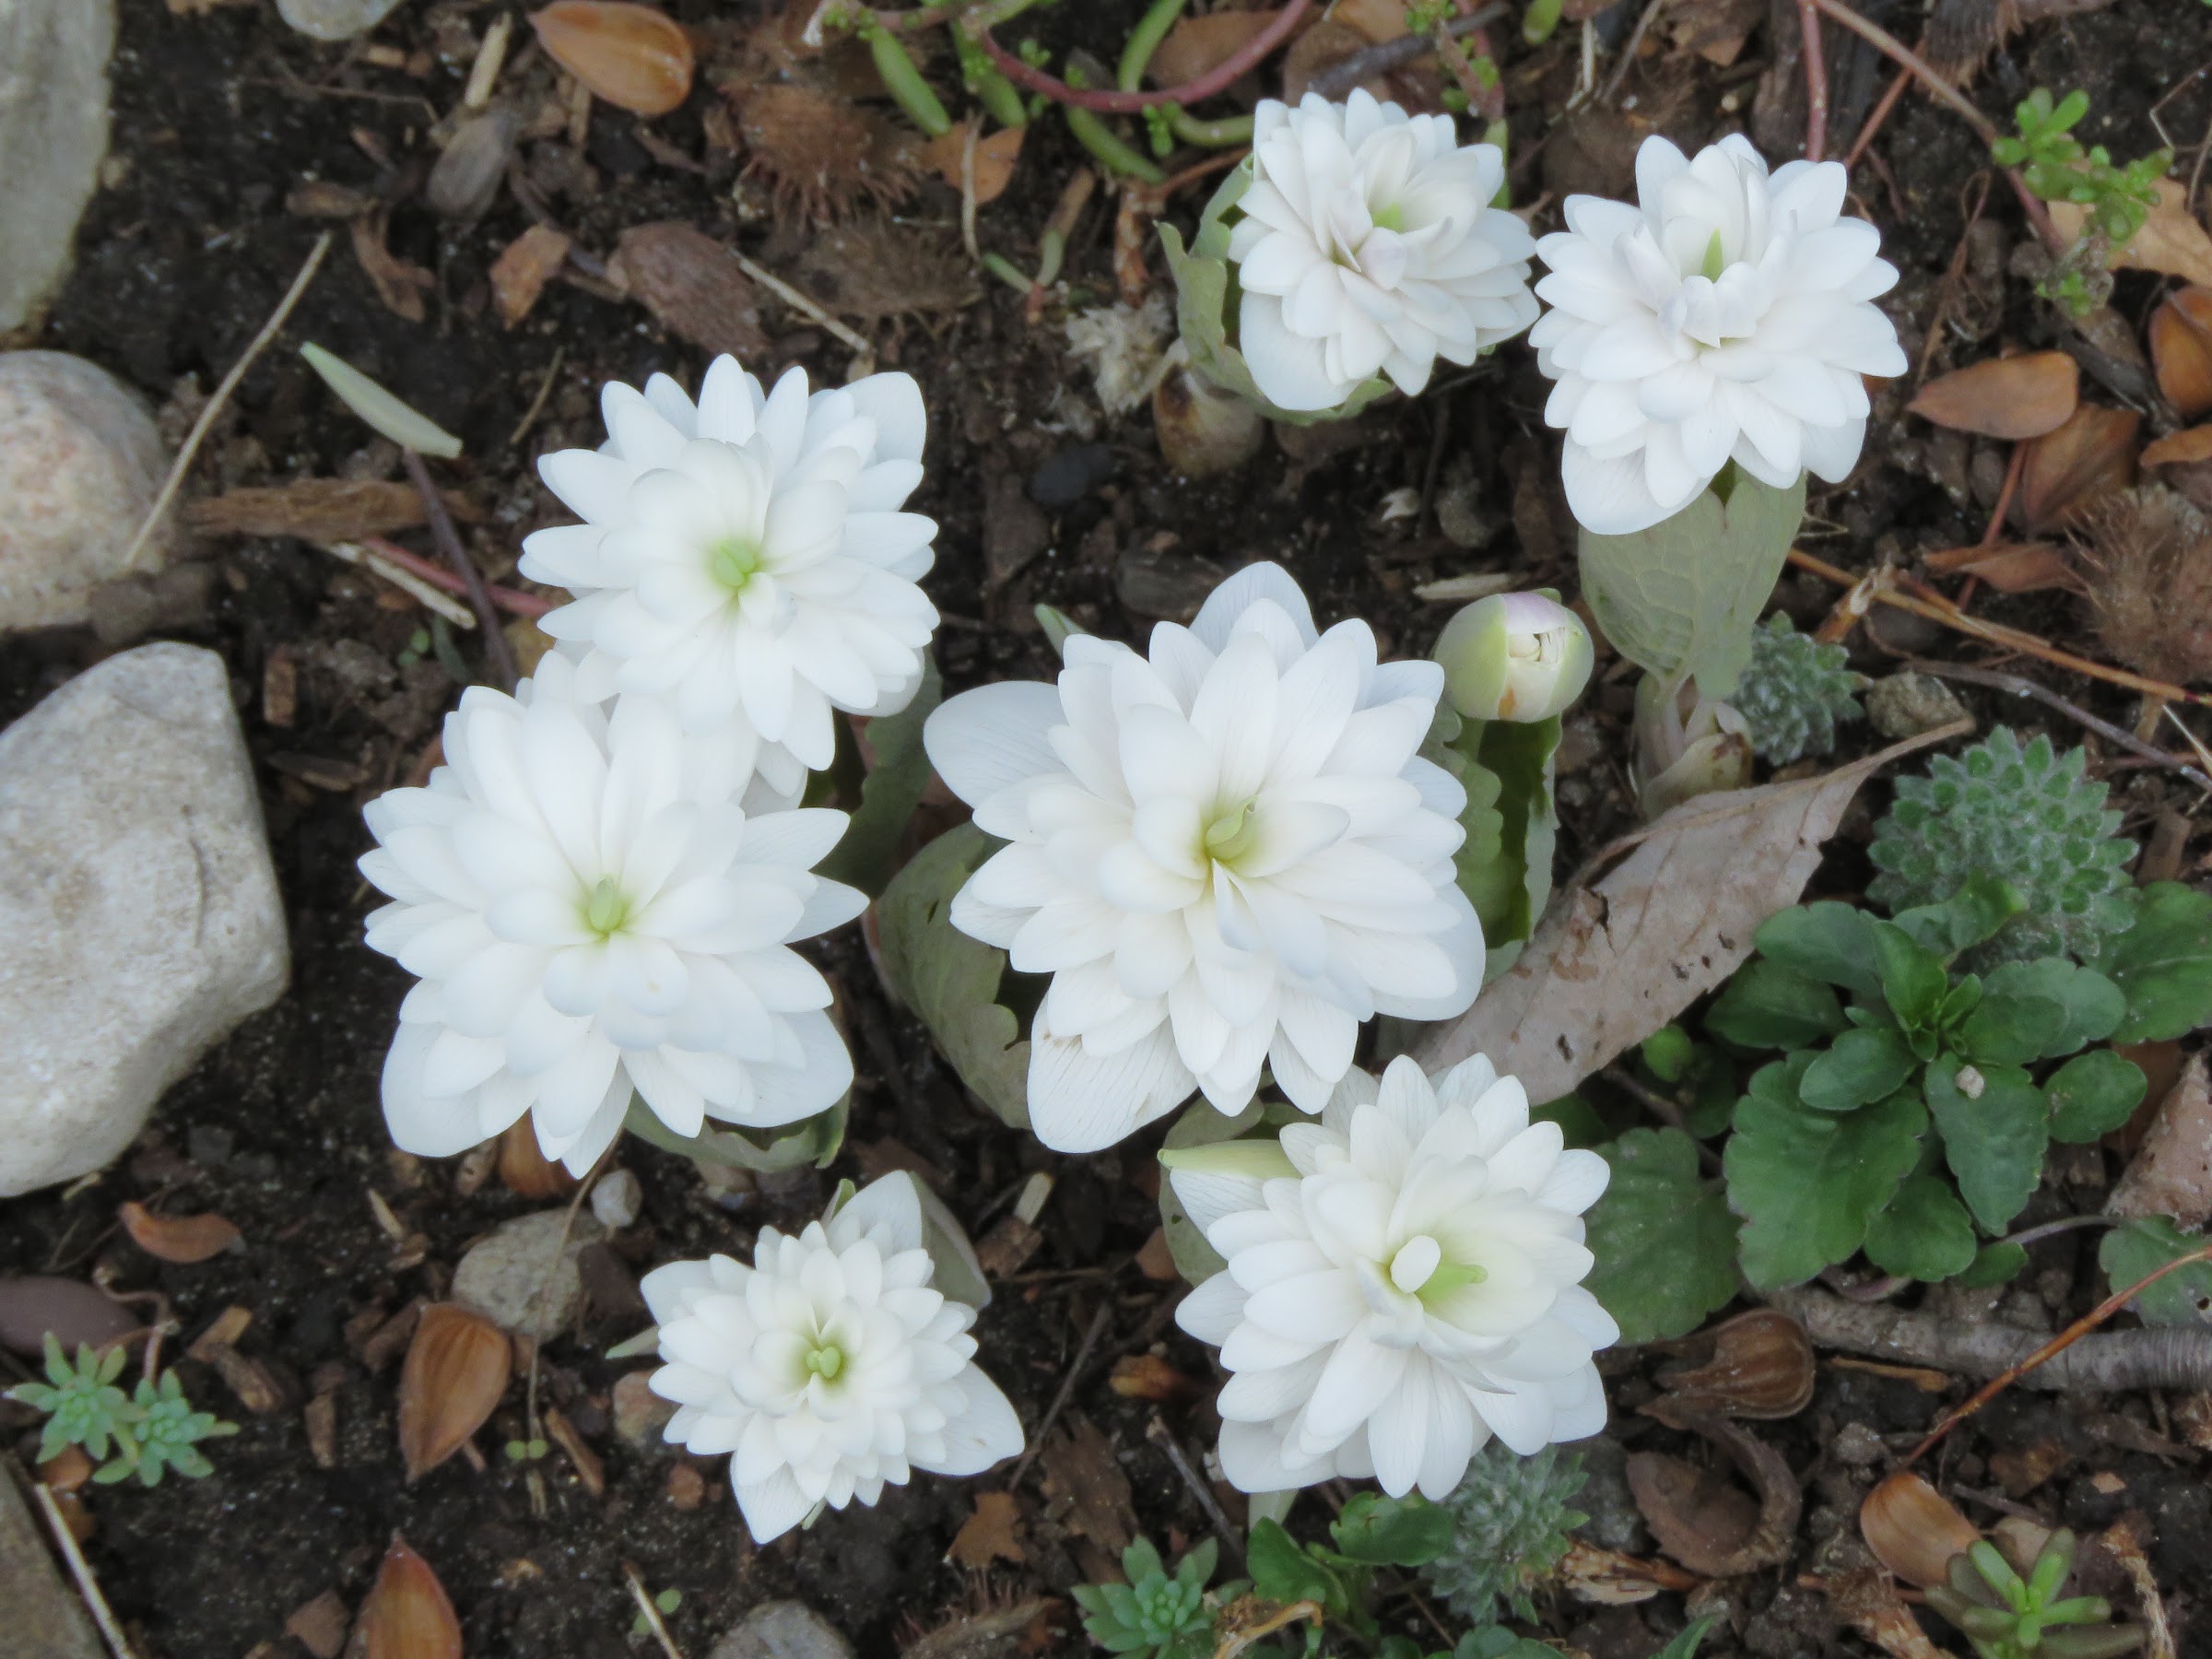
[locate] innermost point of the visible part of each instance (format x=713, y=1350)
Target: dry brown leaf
x=991, y=1533
x=994, y=159
x=1609, y=1579
x=320, y=1626
x=2171, y=1173
x=408, y=1615
x=2088, y=458
x=2171, y=242
x=180, y=1239
x=457, y=1368
x=2023, y=568
x=1715, y=30
x=883, y=268
x=692, y=283
x=634, y=57
x=1709, y=1525
x=1081, y=1471
x=520, y=274
x=399, y=284
x=2181, y=349
x=1614, y=960
x=2180, y=449
x=1757, y=1365
x=2021, y=396
x=317, y=508
x=1868, y=1600
x=525, y=1170
x=1913, y=1529
x=1148, y=1377
x=2021, y=1469
x=1197, y=46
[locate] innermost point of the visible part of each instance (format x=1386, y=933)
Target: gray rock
x=334, y=20
x=784, y=1630
x=136, y=897
x=616, y=1199
x=45, y=1619
x=80, y=464
x=639, y=1414
x=1906, y=704
x=513, y=1278
x=53, y=131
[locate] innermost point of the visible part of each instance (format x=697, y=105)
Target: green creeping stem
x=904, y=82
x=1209, y=134
x=980, y=75
x=1102, y=141
x=1144, y=40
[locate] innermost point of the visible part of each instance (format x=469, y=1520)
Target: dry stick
x=652, y=1614
x=2018, y=685
x=1160, y=1435
x=1881, y=115
x=2058, y=1345
x=1214, y=80
x=1644, y=20
x=449, y=543
x=80, y=1569
x=1067, y=1387
x=1341, y=77
x=800, y=301
x=1816, y=82
x=513, y=601
x=531, y=1426
x=1877, y=587
x=259, y=344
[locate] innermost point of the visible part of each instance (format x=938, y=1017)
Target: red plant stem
x=1897, y=84
x=1816, y=82
x=1127, y=103
x=513, y=601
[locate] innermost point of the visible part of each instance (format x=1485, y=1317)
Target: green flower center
x=1716, y=259
x=1418, y=1268
x=825, y=1361
x=607, y=910
x=1389, y=218
x=734, y=561
x=1231, y=834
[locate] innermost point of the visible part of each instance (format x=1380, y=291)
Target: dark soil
x=218, y=117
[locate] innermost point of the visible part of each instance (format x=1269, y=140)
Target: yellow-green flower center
x=1716, y=259
x=733, y=561
x=1389, y=218
x=1418, y=1268
x=825, y=1361
x=1231, y=834
x=606, y=908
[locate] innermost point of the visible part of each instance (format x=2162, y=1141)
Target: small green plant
x=2006, y=1616
x=1794, y=692
x=1338, y=1578
x=1511, y=1519
x=150, y=1433
x=166, y=1434
x=2023, y=815
x=1156, y=1614
x=2054, y=166
x=665, y=1602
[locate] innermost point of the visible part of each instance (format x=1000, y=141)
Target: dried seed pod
x=525, y=1170
x=632, y=56
x=1757, y=1365
x=1915, y=1530
x=1202, y=429
x=408, y=1615
x=467, y=175
x=180, y=1239
x=2148, y=567
x=822, y=156
x=457, y=1368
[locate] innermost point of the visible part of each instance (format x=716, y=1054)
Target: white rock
x=54, y=132
x=784, y=1630
x=334, y=20
x=139, y=907
x=616, y=1199
x=515, y=1280
x=80, y=464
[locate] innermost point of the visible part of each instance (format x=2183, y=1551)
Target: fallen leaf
x=2181, y=349
x=1148, y=1377
x=398, y=283
x=1197, y=46
x=2021, y=1469
x=520, y=274
x=1757, y=1365
x=878, y=267
x=1913, y=1529
x=2171, y=242
x=2021, y=396
x=328, y=199
x=320, y=1626
x=1615, y=959
x=2171, y=1173
x=1617, y=1581
x=408, y=1615
x=634, y=57
x=1082, y=1474
x=2083, y=461
x=2180, y=449
x=524, y=1170
x=2023, y=568
x=319, y=508
x=692, y=283
x=1709, y=1525
x=1868, y=1598
x=994, y=159
x=991, y=1533
x=457, y=1368
x=180, y=1238
x=1715, y=30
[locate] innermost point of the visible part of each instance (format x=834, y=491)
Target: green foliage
x=813, y=1141
x=1372, y=1530
x=1664, y=1240
x=2006, y=1616
x=2163, y=964
x=1511, y=822
x=1511, y=1519
x=1795, y=691
x=2053, y=165
x=2025, y=816
x=868, y=853
x=2131, y=1253
x=1156, y=1614
x=153, y=1432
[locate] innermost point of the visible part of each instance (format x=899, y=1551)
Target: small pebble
x=639, y=1414
x=1066, y=477
x=616, y=1199
x=505, y=1276
x=334, y=20
x=1905, y=705
x=784, y=1630
x=1858, y=1446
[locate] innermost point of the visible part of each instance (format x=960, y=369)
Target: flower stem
x=1092, y=133
x=1143, y=40
x=895, y=68
x=1128, y=103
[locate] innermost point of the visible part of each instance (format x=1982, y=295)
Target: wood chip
x=280, y=685
x=686, y=1486
x=520, y=274
x=1006, y=1248
x=320, y=509
x=589, y=1468
x=180, y=1238
x=399, y=284
x=224, y=1332
x=692, y=285
x=321, y=1625
x=320, y=1417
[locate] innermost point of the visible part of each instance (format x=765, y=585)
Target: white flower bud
x=1515, y=656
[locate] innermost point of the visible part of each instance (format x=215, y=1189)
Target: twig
x=1160, y=1435
x=1341, y=77
x=975, y=254
x=1223, y=74
x=1875, y=122
x=1067, y=1387
x=1880, y=587
x=2066, y=1339
x=537, y=403
x=260, y=343
x=2017, y=686
x=538, y=1295
x=1816, y=82
x=806, y=304
x=434, y=594
x=381, y=552
x=654, y=1621
x=449, y=543
x=1645, y=20
x=81, y=1570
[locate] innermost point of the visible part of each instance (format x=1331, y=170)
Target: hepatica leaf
x=1663, y=1237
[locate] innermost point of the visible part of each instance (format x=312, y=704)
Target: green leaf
x=866, y=855
x=1997, y=1263
x=1391, y=1532
x=1767, y=1006
x=1995, y=1129
x=1924, y=1232
x=1577, y=1119
x=1808, y=1183
x=2090, y=1006
x=2163, y=964
x=1283, y=1572
x=1914, y=983
x=1825, y=941
x=2142, y=1247
x=1685, y=1646
x=1970, y=917
x=2006, y=1027
x=813, y=1141
x=1681, y=598
x=1510, y=891
x=395, y=419
x=1663, y=1237
x=1200, y=1125
x=2093, y=1094
x=950, y=981
x=1495, y=1642
x=1862, y=1066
